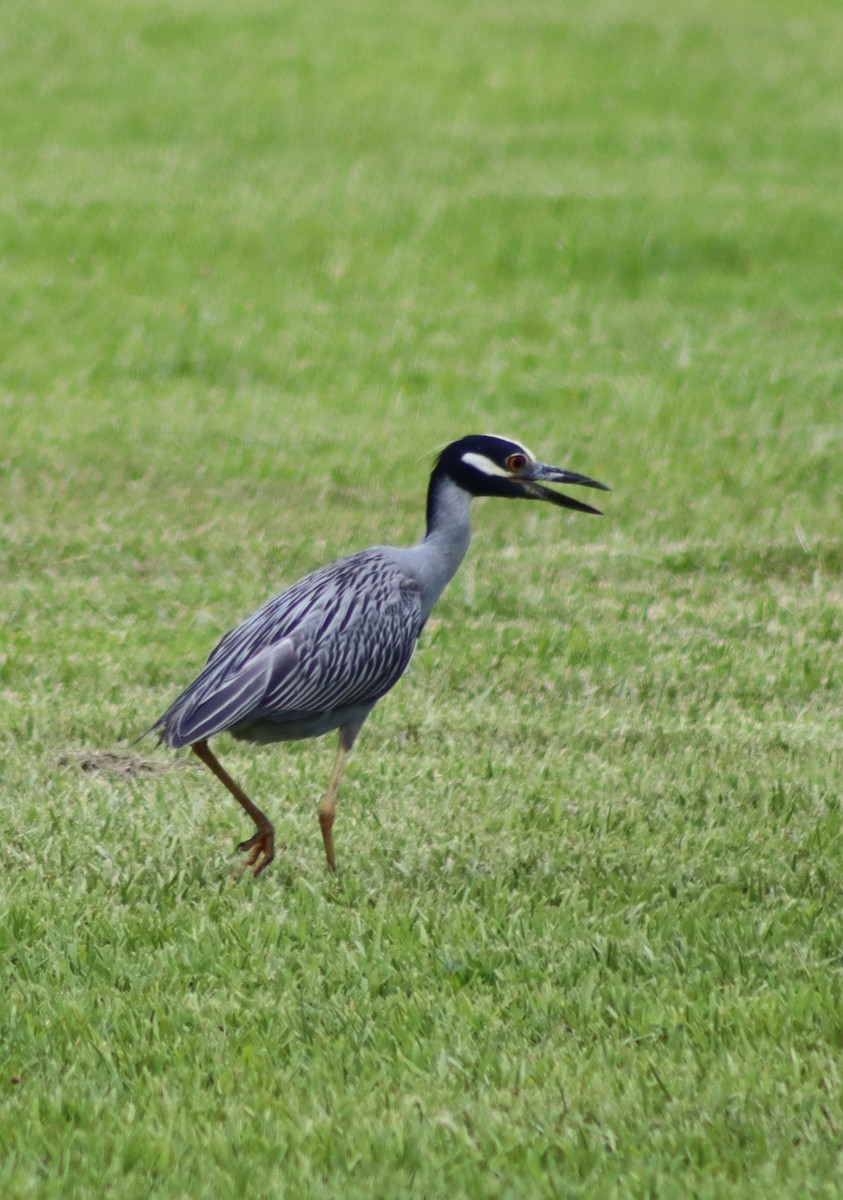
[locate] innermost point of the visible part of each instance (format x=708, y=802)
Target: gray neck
x=434, y=560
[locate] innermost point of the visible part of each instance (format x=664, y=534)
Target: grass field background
x=258, y=261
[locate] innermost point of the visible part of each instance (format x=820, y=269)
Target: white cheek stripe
x=481, y=463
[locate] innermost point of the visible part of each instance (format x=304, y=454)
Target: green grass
x=258, y=261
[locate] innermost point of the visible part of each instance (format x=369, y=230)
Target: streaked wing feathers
x=341, y=636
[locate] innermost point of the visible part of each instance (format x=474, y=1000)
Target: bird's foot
x=260, y=849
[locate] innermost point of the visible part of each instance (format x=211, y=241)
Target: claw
x=262, y=847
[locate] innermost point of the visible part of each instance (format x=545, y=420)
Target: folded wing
x=342, y=636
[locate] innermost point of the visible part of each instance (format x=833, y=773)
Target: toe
x=260, y=849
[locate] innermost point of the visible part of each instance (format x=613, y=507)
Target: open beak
x=536, y=474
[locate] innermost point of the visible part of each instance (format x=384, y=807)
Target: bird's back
x=332, y=643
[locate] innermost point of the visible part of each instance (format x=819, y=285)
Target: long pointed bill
x=539, y=473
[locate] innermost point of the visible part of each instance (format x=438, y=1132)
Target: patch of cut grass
x=258, y=264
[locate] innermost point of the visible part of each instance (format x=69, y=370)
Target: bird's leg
x=262, y=845
x=328, y=807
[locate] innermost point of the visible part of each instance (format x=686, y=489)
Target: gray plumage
x=319, y=655
x=320, y=652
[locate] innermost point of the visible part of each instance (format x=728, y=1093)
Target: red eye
x=516, y=462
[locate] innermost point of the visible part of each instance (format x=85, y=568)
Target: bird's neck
x=438, y=555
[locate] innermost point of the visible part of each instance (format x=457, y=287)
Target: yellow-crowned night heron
x=319, y=655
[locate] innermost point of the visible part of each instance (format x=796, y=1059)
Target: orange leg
x=262, y=844
x=328, y=807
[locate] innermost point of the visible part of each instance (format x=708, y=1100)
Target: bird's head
x=486, y=465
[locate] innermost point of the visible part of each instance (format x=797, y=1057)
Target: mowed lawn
x=259, y=260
